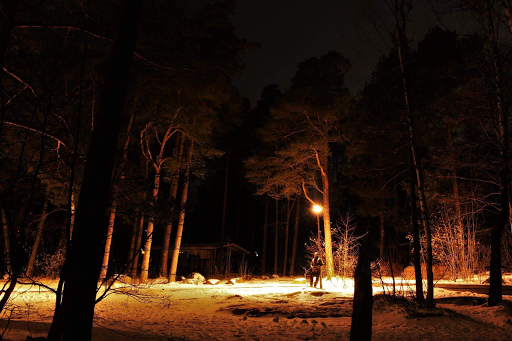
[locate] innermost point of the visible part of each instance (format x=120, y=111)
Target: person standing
x=316, y=270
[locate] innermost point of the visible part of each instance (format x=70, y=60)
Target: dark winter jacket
x=316, y=264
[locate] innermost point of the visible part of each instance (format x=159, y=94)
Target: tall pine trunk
x=7, y=243
x=108, y=242
x=65, y=235
x=508, y=13
x=132, y=249
x=158, y=165
x=265, y=240
x=276, y=237
x=456, y=198
x=495, y=284
x=416, y=161
x=181, y=219
x=39, y=233
x=361, y=326
x=415, y=232
x=75, y=318
x=112, y=217
x=222, y=259
x=144, y=269
x=323, y=163
x=172, y=200
x=295, y=237
x=138, y=241
x=286, y=236
x=382, y=241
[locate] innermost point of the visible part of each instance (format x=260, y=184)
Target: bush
x=49, y=265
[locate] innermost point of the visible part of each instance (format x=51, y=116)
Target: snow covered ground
x=273, y=309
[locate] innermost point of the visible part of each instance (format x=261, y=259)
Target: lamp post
x=317, y=209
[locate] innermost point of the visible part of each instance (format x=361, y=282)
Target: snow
x=272, y=309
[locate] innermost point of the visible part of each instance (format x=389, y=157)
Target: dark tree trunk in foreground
x=75, y=318
x=415, y=232
x=295, y=237
x=495, y=284
x=399, y=30
x=361, y=327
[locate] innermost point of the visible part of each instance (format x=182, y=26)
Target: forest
x=124, y=145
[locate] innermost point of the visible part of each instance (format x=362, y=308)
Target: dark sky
x=289, y=34
x=292, y=31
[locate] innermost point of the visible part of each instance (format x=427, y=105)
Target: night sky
x=292, y=31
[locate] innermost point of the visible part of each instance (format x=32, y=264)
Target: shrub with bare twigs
x=345, y=244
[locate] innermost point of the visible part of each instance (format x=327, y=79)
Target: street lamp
x=317, y=209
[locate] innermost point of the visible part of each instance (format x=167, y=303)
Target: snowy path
x=273, y=310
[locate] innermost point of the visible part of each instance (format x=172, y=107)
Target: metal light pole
x=318, y=210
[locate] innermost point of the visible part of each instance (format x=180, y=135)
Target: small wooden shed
x=202, y=257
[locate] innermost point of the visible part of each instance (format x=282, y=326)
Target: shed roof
x=213, y=246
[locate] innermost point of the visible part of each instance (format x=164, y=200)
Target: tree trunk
x=361, y=326
x=253, y=221
x=108, y=243
x=417, y=164
x=172, y=201
x=39, y=233
x=276, y=237
x=415, y=232
x=456, y=197
x=7, y=244
x=12, y=256
x=329, y=262
x=158, y=165
x=138, y=241
x=181, y=220
x=112, y=218
x=295, y=237
x=64, y=236
x=286, y=235
x=144, y=269
x=133, y=248
x=74, y=321
x=382, y=241
x=265, y=237
x=224, y=205
x=495, y=284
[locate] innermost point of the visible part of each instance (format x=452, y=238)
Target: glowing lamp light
x=317, y=209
